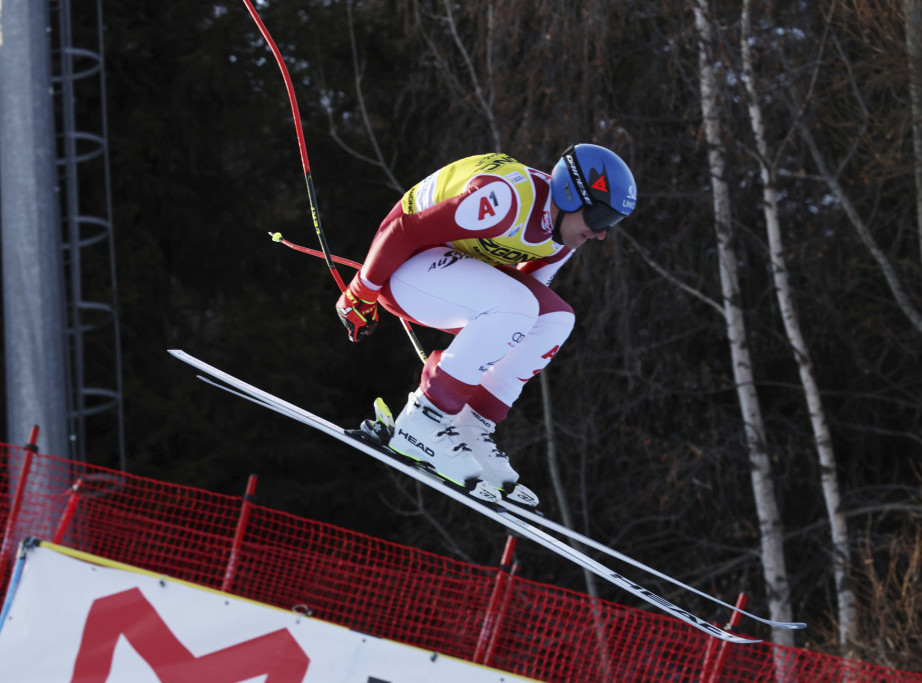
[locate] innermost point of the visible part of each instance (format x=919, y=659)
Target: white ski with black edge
x=385, y=419
x=493, y=511
x=541, y=520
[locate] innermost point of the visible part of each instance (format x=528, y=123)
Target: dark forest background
x=645, y=414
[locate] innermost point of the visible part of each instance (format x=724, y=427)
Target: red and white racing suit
x=468, y=250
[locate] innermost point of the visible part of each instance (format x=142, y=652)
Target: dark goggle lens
x=601, y=217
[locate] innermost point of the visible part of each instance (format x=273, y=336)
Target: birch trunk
x=772, y=550
x=830, y=486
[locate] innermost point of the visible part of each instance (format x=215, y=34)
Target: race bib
x=486, y=207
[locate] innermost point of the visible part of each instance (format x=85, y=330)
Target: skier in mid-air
x=471, y=250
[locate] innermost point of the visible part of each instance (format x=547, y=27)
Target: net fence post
x=486, y=642
x=230, y=571
x=30, y=450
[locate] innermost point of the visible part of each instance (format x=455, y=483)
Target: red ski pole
x=277, y=237
x=305, y=162
x=306, y=166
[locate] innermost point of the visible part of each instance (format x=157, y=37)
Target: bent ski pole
x=306, y=166
x=277, y=237
x=302, y=147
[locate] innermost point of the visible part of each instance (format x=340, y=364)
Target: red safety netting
x=473, y=612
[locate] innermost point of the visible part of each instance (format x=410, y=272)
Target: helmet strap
x=555, y=233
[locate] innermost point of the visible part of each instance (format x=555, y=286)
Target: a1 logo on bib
x=486, y=207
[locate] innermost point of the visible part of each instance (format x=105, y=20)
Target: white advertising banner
x=70, y=619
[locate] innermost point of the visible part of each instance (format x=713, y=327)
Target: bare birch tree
x=773, y=563
x=790, y=318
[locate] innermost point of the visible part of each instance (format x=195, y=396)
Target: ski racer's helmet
x=596, y=178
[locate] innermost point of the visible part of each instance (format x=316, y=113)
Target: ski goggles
x=601, y=217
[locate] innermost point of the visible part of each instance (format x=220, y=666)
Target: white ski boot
x=425, y=434
x=477, y=432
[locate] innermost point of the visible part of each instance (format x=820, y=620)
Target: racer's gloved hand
x=357, y=307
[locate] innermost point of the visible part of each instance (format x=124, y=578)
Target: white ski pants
x=507, y=327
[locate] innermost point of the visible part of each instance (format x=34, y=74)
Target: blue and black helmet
x=596, y=178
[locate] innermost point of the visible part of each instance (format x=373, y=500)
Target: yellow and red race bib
x=500, y=194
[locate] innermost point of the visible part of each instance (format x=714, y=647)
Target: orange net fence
x=477, y=613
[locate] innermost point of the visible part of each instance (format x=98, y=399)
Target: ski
x=383, y=427
x=538, y=518
x=492, y=510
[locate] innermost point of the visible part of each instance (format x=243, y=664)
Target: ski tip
x=790, y=625
x=718, y=632
x=741, y=640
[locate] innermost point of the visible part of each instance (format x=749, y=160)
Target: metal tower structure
x=95, y=418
